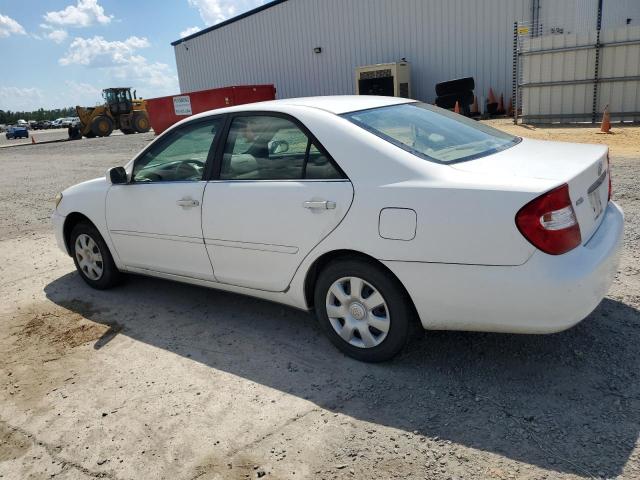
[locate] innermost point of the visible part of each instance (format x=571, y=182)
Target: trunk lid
x=583, y=167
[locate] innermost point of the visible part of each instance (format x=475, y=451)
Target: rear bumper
x=546, y=294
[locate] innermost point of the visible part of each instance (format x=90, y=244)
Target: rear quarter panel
x=462, y=217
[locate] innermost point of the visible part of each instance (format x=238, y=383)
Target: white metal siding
x=442, y=39
x=615, y=61
x=575, y=16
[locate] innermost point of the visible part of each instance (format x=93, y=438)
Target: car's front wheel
x=92, y=257
x=363, y=309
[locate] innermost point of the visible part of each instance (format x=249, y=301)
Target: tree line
x=10, y=117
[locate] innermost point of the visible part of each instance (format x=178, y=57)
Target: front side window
x=180, y=157
x=432, y=133
x=272, y=148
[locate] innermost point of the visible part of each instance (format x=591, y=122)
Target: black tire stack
x=74, y=132
x=459, y=90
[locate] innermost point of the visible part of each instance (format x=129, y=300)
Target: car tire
x=92, y=257
x=449, y=101
x=358, y=318
x=455, y=86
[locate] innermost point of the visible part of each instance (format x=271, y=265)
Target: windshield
x=432, y=133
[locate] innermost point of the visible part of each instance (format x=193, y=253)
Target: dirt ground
x=161, y=380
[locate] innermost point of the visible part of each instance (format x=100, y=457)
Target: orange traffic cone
x=33, y=139
x=605, y=127
x=492, y=97
x=492, y=104
x=456, y=108
x=474, y=106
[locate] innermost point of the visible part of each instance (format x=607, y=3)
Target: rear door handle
x=187, y=202
x=319, y=205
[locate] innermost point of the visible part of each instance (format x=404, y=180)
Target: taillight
x=549, y=222
x=609, y=173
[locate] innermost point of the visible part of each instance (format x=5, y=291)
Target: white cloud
x=121, y=63
x=216, y=11
x=8, y=26
x=81, y=87
x=80, y=93
x=150, y=79
x=98, y=52
x=84, y=14
x=57, y=36
x=189, y=31
x=20, y=98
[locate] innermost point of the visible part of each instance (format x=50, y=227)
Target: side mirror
x=117, y=175
x=278, y=146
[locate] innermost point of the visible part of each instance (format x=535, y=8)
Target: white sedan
x=382, y=214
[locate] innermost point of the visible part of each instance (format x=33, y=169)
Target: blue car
x=17, y=132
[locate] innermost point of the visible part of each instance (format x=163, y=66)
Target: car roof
x=339, y=104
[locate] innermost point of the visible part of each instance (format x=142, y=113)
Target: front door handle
x=319, y=205
x=187, y=202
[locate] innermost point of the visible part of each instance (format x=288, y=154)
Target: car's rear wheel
x=363, y=310
x=92, y=257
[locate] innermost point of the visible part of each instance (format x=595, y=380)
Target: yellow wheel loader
x=120, y=111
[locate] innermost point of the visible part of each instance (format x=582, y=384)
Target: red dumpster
x=165, y=111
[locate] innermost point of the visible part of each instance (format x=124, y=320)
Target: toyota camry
x=380, y=214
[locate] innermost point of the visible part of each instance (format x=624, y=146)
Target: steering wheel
x=188, y=169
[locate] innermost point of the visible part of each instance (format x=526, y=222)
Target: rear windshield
x=432, y=133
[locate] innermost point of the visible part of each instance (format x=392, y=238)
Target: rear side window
x=432, y=133
x=262, y=147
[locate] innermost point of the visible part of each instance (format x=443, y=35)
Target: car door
x=155, y=220
x=276, y=195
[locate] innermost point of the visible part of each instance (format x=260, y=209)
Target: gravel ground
x=161, y=380
x=39, y=136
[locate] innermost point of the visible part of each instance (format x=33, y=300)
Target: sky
x=60, y=53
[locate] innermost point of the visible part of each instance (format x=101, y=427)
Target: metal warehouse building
x=312, y=47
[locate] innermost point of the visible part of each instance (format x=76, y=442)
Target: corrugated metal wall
x=575, y=101
x=442, y=39
x=574, y=16
x=569, y=16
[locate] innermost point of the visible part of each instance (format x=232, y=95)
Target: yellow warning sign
x=523, y=30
